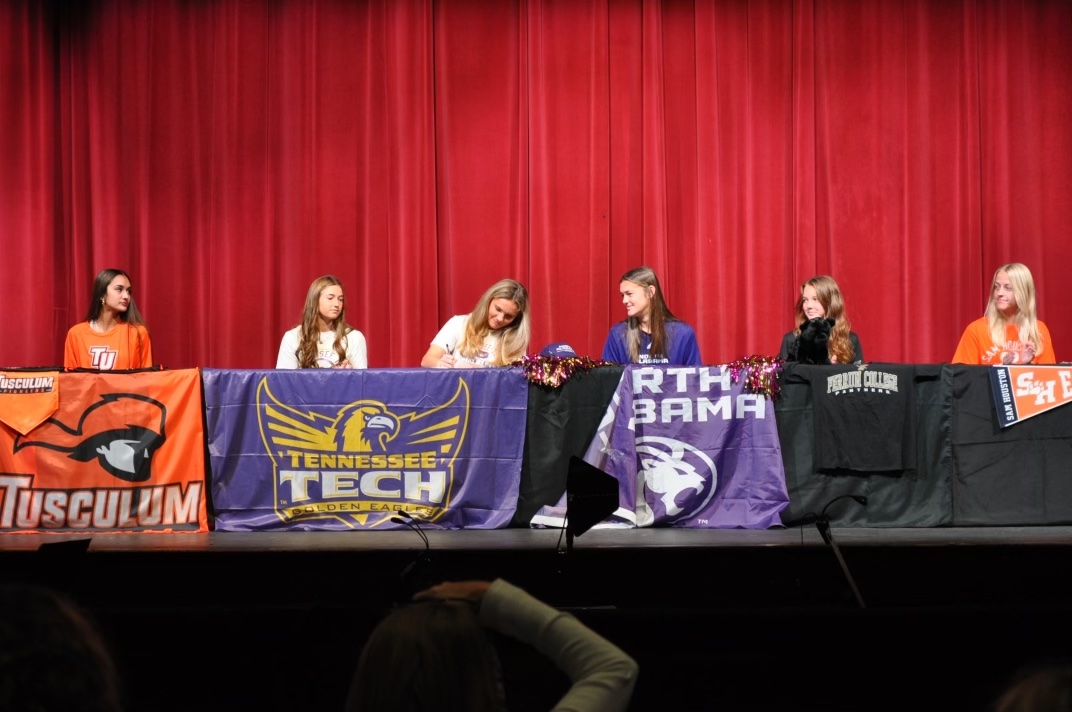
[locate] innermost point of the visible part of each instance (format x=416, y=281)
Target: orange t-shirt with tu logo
x=124, y=347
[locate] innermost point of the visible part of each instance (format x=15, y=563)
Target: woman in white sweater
x=323, y=339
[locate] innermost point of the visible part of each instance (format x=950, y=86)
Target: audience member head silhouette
x=1043, y=688
x=434, y=654
x=428, y=655
x=52, y=657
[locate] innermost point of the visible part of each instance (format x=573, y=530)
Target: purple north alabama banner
x=690, y=448
x=342, y=450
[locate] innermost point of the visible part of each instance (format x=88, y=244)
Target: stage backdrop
x=227, y=153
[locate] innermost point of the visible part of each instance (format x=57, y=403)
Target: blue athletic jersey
x=684, y=351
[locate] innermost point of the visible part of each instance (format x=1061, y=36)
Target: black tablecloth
x=964, y=470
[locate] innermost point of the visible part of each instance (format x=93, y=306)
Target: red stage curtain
x=227, y=153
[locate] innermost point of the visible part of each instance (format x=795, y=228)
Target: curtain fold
x=227, y=153
x=28, y=180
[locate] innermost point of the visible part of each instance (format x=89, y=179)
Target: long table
x=940, y=458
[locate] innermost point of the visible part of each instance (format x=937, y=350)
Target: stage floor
x=549, y=539
x=717, y=619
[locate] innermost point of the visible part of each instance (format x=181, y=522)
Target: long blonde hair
x=309, y=336
x=1025, y=319
x=826, y=289
x=514, y=338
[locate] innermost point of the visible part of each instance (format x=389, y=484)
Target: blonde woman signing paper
x=495, y=333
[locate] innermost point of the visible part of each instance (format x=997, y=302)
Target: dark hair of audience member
x=52, y=657
x=1045, y=688
x=428, y=655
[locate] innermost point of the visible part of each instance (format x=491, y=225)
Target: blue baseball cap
x=559, y=350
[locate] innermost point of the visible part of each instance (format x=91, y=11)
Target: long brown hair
x=309, y=336
x=100, y=289
x=658, y=315
x=433, y=655
x=514, y=337
x=839, y=344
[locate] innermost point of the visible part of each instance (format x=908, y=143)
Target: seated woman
x=323, y=339
x=495, y=333
x=650, y=332
x=113, y=336
x=820, y=298
x=1009, y=332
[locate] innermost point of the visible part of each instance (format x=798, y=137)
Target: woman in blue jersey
x=650, y=332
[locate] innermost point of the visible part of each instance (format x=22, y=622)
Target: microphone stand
x=408, y=519
x=566, y=525
x=822, y=523
x=423, y=558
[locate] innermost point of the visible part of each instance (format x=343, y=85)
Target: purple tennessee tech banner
x=341, y=449
x=691, y=448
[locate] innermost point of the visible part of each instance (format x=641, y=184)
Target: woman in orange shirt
x=113, y=337
x=1009, y=332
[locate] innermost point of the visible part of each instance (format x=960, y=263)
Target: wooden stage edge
x=762, y=621
x=547, y=539
x=628, y=569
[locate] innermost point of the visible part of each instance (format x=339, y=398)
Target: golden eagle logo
x=362, y=442
x=367, y=426
x=364, y=426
